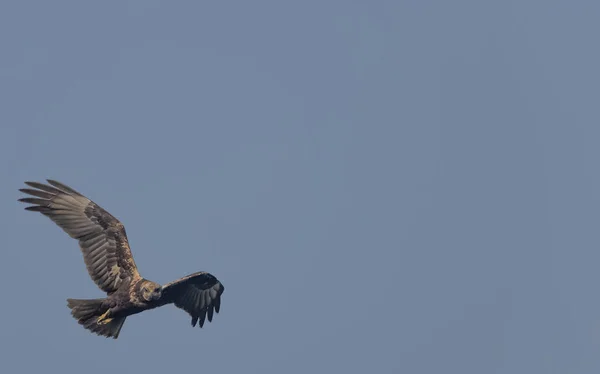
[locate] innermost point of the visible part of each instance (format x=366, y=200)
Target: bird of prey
x=109, y=262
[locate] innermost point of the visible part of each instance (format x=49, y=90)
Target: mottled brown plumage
x=109, y=262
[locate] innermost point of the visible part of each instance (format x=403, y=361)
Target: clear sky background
x=382, y=186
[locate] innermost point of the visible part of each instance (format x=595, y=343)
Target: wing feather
x=102, y=237
x=199, y=294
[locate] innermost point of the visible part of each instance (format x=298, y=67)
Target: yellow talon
x=103, y=319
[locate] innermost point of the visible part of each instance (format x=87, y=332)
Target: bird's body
x=109, y=261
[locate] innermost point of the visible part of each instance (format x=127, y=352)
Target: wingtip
x=37, y=208
x=54, y=183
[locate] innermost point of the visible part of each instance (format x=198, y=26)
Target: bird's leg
x=103, y=319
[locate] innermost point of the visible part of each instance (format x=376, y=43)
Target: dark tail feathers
x=86, y=312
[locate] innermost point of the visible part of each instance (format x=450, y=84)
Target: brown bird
x=107, y=256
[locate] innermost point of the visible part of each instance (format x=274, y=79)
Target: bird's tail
x=90, y=313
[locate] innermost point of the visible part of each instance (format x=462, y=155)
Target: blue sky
x=382, y=186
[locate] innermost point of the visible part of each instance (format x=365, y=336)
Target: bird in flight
x=109, y=262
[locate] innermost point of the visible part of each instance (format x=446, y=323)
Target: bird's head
x=151, y=291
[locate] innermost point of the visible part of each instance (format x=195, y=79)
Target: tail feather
x=87, y=312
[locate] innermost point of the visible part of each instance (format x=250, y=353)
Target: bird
x=110, y=264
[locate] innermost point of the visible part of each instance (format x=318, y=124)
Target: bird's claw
x=103, y=319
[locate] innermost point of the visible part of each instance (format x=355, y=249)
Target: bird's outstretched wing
x=101, y=236
x=199, y=294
